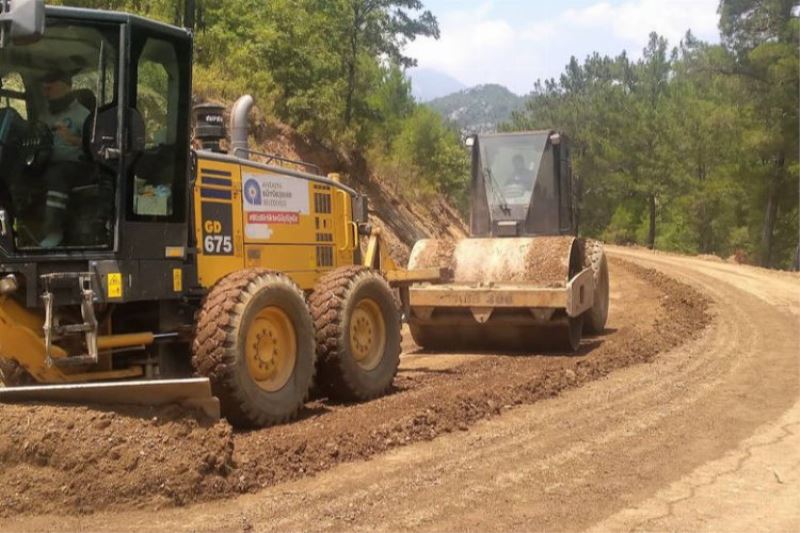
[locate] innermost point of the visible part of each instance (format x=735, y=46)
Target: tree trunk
x=651, y=234
x=351, y=82
x=351, y=67
x=706, y=230
x=577, y=198
x=768, y=229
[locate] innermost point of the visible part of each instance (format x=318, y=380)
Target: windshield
x=510, y=166
x=55, y=193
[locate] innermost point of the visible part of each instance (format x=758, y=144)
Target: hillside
x=480, y=108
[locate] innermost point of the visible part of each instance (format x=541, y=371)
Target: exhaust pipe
x=240, y=125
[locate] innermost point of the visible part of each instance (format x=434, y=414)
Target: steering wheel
x=514, y=190
x=37, y=145
x=33, y=143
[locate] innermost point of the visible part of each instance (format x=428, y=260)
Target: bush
x=426, y=157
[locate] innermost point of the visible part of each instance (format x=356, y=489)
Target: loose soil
x=434, y=253
x=73, y=460
x=547, y=262
x=540, y=261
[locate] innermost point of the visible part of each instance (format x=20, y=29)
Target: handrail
x=273, y=157
x=9, y=93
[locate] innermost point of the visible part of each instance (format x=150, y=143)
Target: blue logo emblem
x=252, y=192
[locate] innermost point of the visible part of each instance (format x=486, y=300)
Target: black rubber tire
x=571, y=334
x=218, y=347
x=431, y=337
x=336, y=295
x=594, y=320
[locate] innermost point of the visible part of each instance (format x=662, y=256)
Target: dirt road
x=705, y=435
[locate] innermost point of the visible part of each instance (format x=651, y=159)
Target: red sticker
x=272, y=217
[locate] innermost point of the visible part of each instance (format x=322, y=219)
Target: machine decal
x=114, y=284
x=217, y=228
x=177, y=279
x=272, y=199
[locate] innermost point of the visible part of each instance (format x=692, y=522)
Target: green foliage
x=623, y=225
x=162, y=10
x=424, y=148
x=692, y=149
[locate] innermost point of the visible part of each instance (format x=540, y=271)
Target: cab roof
x=98, y=15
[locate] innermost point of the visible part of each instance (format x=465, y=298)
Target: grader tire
x=357, y=321
x=255, y=342
x=595, y=258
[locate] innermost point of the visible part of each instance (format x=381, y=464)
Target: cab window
x=56, y=191
x=159, y=172
x=12, y=94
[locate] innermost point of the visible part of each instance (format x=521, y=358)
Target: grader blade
x=194, y=393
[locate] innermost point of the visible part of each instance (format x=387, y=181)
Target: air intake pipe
x=240, y=126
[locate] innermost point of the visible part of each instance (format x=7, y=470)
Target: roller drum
x=538, y=262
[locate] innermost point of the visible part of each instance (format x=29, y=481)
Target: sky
x=516, y=42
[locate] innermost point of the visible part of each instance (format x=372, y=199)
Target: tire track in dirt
x=424, y=406
x=741, y=490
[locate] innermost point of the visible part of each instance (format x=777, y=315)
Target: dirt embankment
x=79, y=460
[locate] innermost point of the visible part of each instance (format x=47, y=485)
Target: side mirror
x=21, y=21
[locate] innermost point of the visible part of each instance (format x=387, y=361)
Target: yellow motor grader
x=170, y=262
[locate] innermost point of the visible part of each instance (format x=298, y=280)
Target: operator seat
x=91, y=200
x=86, y=98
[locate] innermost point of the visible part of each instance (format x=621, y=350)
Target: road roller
x=522, y=280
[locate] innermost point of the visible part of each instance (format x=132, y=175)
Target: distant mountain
x=480, y=108
x=427, y=84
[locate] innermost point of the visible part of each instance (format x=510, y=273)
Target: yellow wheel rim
x=367, y=334
x=271, y=349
